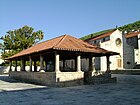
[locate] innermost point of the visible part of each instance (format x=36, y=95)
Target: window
x=119, y=63
x=103, y=40
x=128, y=63
x=118, y=42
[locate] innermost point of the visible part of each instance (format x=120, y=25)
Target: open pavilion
x=57, y=51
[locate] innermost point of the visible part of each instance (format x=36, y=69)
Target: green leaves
x=95, y=34
x=20, y=39
x=131, y=27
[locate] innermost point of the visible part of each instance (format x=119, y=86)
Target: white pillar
x=57, y=62
x=78, y=63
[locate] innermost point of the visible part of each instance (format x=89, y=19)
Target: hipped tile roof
x=100, y=36
x=65, y=42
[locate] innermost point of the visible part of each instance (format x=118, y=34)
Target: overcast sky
x=74, y=17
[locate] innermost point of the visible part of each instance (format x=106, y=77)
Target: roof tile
x=64, y=42
x=100, y=36
x=132, y=34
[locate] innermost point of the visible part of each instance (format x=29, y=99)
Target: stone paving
x=125, y=92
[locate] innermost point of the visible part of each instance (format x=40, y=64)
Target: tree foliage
x=130, y=27
x=20, y=39
x=96, y=34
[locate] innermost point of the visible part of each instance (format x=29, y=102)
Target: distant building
x=128, y=45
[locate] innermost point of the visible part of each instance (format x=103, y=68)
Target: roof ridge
x=57, y=44
x=49, y=39
x=101, y=34
x=105, y=33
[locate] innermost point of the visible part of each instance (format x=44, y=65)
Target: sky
x=74, y=17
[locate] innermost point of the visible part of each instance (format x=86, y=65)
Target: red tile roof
x=132, y=34
x=64, y=42
x=100, y=36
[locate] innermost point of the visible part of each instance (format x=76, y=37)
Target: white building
x=128, y=45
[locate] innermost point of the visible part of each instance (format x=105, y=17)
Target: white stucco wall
x=111, y=46
x=137, y=52
x=139, y=41
x=126, y=52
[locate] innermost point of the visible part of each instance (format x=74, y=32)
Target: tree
x=20, y=39
x=1, y=46
x=135, y=26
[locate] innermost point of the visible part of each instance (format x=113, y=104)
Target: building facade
x=128, y=45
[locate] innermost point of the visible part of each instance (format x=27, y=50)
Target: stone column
x=46, y=62
x=78, y=63
x=75, y=61
x=10, y=69
x=30, y=59
x=15, y=65
x=22, y=65
x=35, y=67
x=63, y=64
x=57, y=63
x=108, y=63
x=41, y=63
x=91, y=63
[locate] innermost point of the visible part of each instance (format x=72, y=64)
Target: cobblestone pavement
x=125, y=92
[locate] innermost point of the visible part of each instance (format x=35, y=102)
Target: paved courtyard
x=125, y=92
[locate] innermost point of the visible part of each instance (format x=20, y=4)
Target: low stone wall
x=89, y=78
x=4, y=69
x=62, y=79
x=40, y=78
x=70, y=78
x=50, y=78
